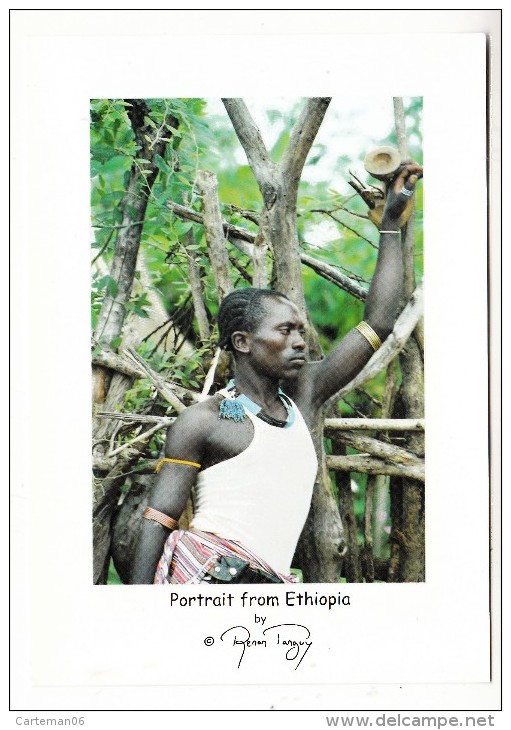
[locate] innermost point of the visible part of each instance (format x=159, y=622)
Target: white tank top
x=262, y=496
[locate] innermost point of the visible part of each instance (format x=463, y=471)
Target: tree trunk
x=351, y=568
x=279, y=186
x=321, y=542
x=382, y=482
x=126, y=523
x=106, y=493
x=412, y=554
x=412, y=528
x=107, y=389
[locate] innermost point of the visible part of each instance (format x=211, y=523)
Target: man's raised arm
x=383, y=298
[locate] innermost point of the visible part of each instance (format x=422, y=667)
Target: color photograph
x=268, y=268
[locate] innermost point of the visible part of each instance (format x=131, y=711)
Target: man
x=247, y=451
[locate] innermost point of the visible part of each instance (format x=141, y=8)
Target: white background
x=397, y=646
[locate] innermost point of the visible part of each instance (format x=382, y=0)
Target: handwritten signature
x=293, y=638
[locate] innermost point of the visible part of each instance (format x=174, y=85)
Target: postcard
x=128, y=124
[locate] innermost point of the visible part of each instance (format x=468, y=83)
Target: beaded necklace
x=233, y=407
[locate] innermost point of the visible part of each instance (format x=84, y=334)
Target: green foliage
x=138, y=305
x=113, y=577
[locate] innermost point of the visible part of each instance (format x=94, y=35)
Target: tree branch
x=335, y=276
x=259, y=261
x=345, y=225
x=121, y=364
x=250, y=139
x=215, y=239
x=374, y=424
x=137, y=417
x=408, y=233
x=394, y=343
x=241, y=237
x=400, y=124
x=140, y=438
x=230, y=230
x=302, y=137
x=370, y=465
x=159, y=383
x=374, y=447
x=199, y=307
x=332, y=425
x=99, y=463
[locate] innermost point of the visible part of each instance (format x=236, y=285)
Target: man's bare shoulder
x=187, y=437
x=200, y=415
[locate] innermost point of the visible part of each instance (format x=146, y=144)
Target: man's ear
x=241, y=342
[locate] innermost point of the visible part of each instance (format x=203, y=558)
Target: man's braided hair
x=243, y=310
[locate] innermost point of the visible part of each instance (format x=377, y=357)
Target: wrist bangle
x=370, y=335
x=405, y=191
x=389, y=231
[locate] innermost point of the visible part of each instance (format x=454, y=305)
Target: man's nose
x=299, y=342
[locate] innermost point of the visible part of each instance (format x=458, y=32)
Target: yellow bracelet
x=162, y=519
x=367, y=331
x=177, y=461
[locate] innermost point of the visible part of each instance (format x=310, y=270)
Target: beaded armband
x=162, y=519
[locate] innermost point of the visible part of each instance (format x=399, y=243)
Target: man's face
x=277, y=347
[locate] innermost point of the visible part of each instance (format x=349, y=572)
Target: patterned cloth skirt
x=192, y=556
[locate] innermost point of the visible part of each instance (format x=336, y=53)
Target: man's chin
x=293, y=371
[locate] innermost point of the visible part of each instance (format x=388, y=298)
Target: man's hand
x=390, y=210
x=399, y=195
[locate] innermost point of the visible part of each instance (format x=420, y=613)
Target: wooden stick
x=159, y=383
x=367, y=551
x=392, y=346
x=100, y=463
x=335, y=276
x=121, y=364
x=230, y=230
x=208, y=382
x=375, y=424
x=370, y=465
x=136, y=417
x=142, y=437
x=388, y=452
